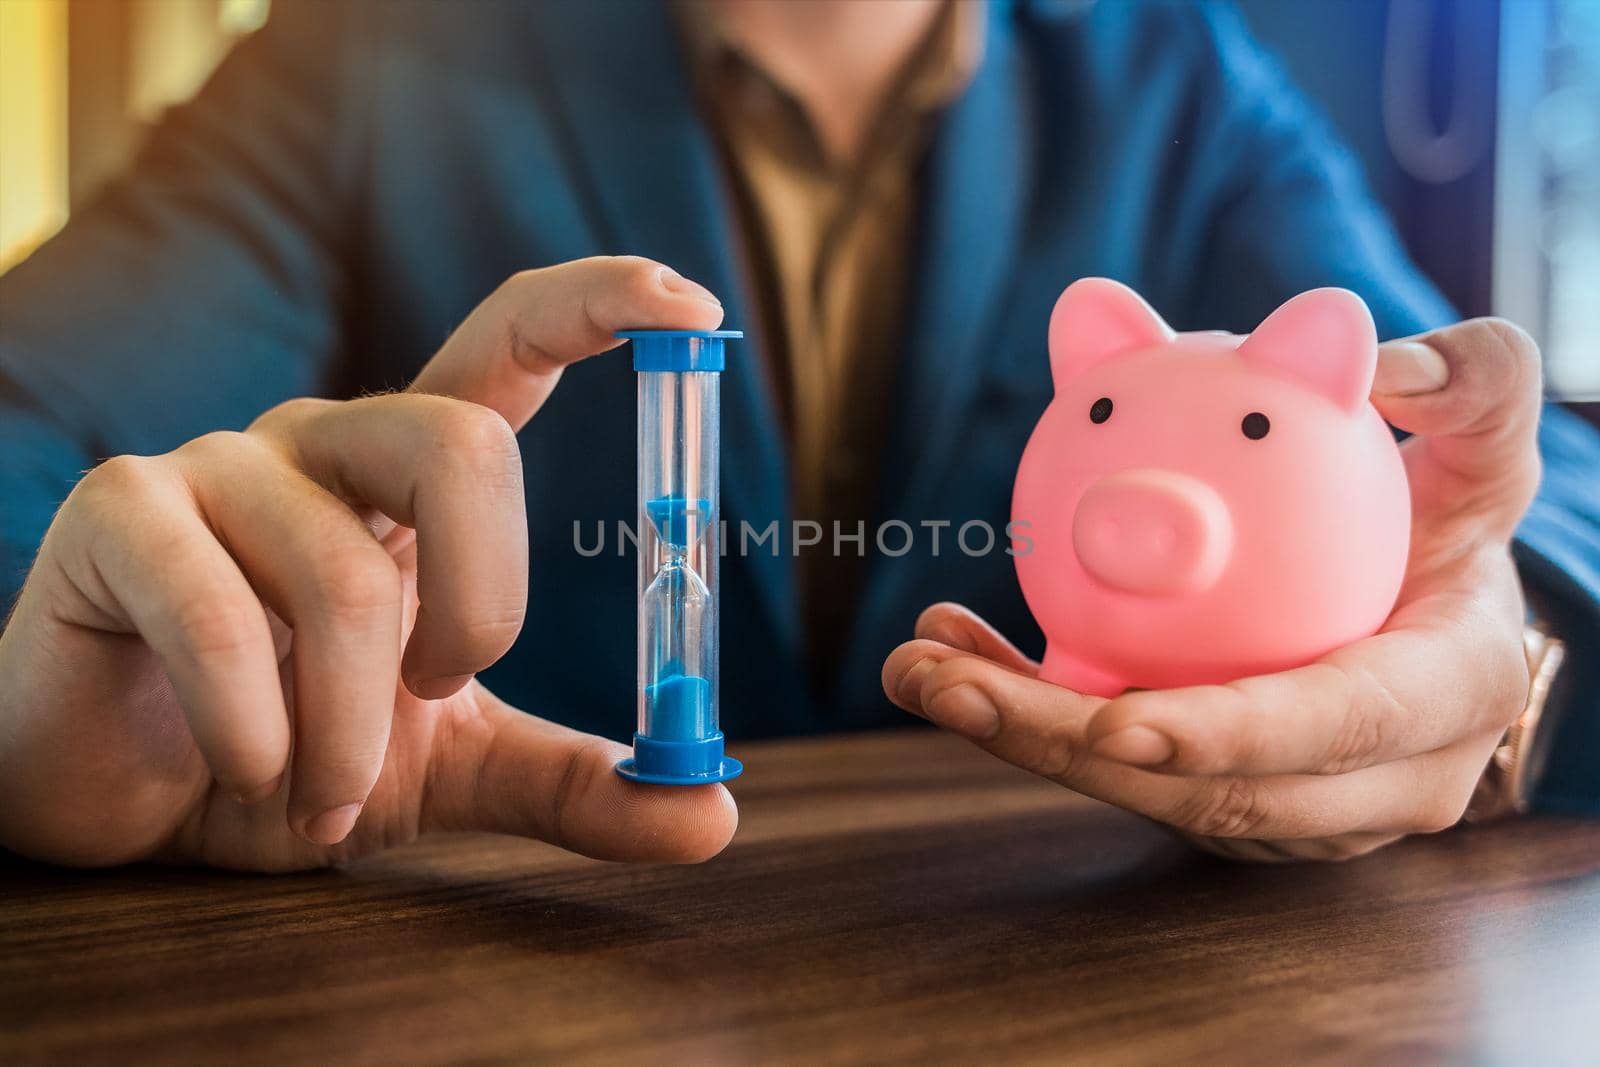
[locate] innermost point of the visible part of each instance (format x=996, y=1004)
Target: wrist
x=1507, y=783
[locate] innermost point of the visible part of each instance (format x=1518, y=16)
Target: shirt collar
x=937, y=72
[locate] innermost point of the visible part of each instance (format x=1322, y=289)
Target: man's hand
x=230, y=654
x=1383, y=738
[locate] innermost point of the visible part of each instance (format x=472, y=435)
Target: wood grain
x=890, y=897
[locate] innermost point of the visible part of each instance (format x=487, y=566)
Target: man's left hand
x=1380, y=739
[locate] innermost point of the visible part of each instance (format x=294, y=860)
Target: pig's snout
x=1152, y=531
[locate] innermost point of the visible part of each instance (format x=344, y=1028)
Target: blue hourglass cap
x=679, y=350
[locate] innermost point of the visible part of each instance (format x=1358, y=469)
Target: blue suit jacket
x=356, y=178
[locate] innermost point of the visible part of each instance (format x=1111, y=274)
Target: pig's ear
x=1323, y=339
x=1095, y=320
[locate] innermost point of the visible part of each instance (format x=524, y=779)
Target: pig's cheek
x=1044, y=498
x=1322, y=521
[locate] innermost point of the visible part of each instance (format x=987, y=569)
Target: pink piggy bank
x=1203, y=506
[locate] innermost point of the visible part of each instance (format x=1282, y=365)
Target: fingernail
x=259, y=793
x=954, y=636
x=673, y=282
x=965, y=709
x=438, y=688
x=332, y=826
x=909, y=691
x=1410, y=368
x=1138, y=746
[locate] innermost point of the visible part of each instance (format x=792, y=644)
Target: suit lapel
x=973, y=216
x=657, y=187
x=974, y=211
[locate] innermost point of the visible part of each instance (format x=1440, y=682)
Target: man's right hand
x=230, y=655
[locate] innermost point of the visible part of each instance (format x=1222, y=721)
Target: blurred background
x=1478, y=122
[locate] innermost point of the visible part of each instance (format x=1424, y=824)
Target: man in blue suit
x=887, y=197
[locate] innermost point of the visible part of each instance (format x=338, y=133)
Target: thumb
x=1471, y=393
x=510, y=352
x=508, y=772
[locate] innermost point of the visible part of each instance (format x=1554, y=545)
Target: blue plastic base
x=730, y=769
x=679, y=762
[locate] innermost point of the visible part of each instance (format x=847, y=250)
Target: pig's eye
x=1100, y=410
x=1255, y=426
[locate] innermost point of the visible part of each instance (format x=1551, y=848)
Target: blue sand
x=679, y=708
x=671, y=514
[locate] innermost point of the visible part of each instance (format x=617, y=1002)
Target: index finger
x=1036, y=725
x=1039, y=727
x=1446, y=670
x=510, y=352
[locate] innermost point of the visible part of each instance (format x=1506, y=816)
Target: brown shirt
x=829, y=246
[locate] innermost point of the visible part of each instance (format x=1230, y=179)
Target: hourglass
x=678, y=741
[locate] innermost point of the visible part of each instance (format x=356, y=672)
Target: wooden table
x=890, y=898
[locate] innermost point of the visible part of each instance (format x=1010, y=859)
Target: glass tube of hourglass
x=678, y=739
x=678, y=558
